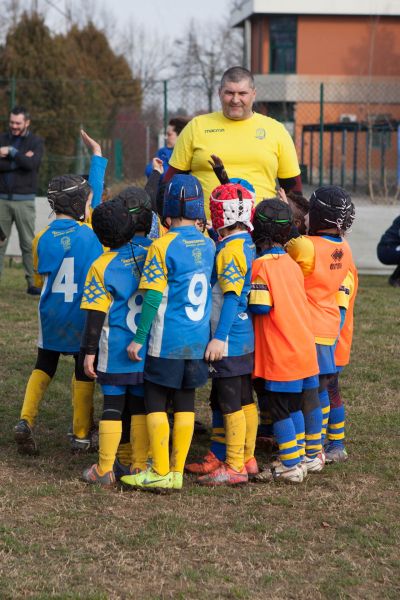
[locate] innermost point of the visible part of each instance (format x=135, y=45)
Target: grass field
x=334, y=537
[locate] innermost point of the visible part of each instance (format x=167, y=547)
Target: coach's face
x=237, y=99
x=18, y=124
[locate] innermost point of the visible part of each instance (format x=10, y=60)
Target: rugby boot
x=91, y=475
x=278, y=472
x=335, y=453
x=79, y=445
x=177, y=480
x=23, y=435
x=120, y=469
x=251, y=467
x=314, y=464
x=224, y=475
x=209, y=464
x=149, y=480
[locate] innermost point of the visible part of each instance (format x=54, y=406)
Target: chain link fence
x=346, y=131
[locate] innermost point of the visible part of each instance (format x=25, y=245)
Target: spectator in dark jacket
x=20, y=155
x=388, y=250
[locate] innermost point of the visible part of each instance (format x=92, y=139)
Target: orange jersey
x=325, y=262
x=284, y=342
x=343, y=348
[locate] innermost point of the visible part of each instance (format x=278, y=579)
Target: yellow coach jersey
x=258, y=149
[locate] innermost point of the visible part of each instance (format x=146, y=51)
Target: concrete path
x=371, y=221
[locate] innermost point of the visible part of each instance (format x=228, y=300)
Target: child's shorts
x=232, y=366
x=295, y=387
x=179, y=373
x=118, y=390
x=120, y=378
x=326, y=359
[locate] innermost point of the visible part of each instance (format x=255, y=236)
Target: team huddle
x=152, y=305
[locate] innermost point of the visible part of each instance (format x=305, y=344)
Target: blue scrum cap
x=184, y=198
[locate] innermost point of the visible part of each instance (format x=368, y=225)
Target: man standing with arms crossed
x=252, y=146
x=20, y=155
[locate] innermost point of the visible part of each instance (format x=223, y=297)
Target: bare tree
x=204, y=54
x=11, y=11
x=148, y=55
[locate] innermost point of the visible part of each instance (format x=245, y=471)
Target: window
x=282, y=39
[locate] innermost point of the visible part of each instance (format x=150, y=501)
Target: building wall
x=332, y=45
x=348, y=46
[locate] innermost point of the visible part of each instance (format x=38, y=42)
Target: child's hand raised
x=91, y=144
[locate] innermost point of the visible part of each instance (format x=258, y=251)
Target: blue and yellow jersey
x=179, y=265
x=112, y=287
x=232, y=273
x=62, y=255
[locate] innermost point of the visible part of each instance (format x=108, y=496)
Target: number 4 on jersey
x=64, y=280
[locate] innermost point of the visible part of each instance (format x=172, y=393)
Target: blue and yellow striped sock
x=285, y=435
x=218, y=442
x=325, y=406
x=298, y=422
x=337, y=414
x=335, y=432
x=313, y=427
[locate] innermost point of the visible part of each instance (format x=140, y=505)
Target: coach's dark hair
x=20, y=110
x=236, y=74
x=178, y=123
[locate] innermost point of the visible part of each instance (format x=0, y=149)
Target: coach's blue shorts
x=179, y=374
x=296, y=386
x=326, y=359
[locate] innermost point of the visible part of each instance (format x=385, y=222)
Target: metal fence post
x=321, y=133
x=165, y=84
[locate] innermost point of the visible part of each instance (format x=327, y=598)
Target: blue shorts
x=326, y=359
x=232, y=366
x=295, y=386
x=120, y=378
x=118, y=390
x=178, y=374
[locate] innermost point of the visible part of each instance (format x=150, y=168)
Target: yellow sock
x=251, y=416
x=124, y=453
x=181, y=439
x=139, y=442
x=158, y=428
x=109, y=438
x=235, y=433
x=37, y=384
x=82, y=402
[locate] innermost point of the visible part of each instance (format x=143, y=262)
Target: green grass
x=335, y=537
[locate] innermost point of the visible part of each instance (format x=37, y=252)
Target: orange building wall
x=260, y=46
x=343, y=45
x=329, y=45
